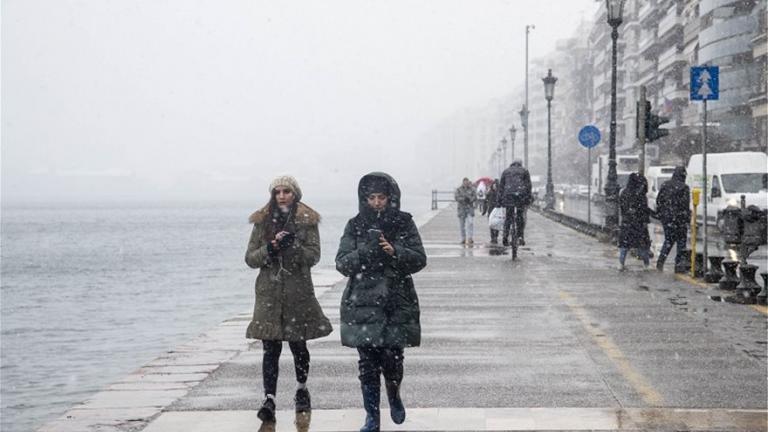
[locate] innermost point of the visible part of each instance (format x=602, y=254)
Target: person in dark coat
x=674, y=212
x=379, y=251
x=465, y=196
x=635, y=217
x=284, y=245
x=490, y=202
x=515, y=194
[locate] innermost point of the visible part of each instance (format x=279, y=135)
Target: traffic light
x=652, y=123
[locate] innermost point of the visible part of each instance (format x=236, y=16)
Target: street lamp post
x=512, y=132
x=524, y=124
x=549, y=94
x=504, y=152
x=614, y=9
x=528, y=29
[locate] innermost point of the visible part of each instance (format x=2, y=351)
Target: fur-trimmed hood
x=305, y=215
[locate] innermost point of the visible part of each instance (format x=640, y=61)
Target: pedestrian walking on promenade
x=284, y=245
x=515, y=195
x=465, y=197
x=379, y=251
x=480, y=195
x=490, y=202
x=635, y=216
x=673, y=210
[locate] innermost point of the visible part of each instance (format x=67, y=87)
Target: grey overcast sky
x=153, y=99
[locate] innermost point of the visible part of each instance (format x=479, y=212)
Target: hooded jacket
x=635, y=214
x=379, y=306
x=515, y=187
x=673, y=203
x=286, y=308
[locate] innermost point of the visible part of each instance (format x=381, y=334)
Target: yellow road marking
x=638, y=382
x=685, y=278
x=692, y=281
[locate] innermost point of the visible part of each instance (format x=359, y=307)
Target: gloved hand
x=271, y=250
x=286, y=241
x=371, y=252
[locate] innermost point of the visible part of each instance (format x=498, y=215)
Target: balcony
x=645, y=12
x=675, y=91
x=647, y=41
x=670, y=57
x=691, y=29
x=670, y=22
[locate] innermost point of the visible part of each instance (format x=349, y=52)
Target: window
x=744, y=183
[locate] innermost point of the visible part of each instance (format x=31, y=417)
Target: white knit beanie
x=286, y=181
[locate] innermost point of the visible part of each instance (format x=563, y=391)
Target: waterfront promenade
x=558, y=340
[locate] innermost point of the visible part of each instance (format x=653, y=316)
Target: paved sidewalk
x=558, y=340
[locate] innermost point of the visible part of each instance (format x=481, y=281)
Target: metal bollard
x=748, y=288
x=715, y=272
x=729, y=280
x=762, y=296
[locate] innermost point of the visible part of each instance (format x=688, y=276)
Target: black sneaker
x=302, y=400
x=267, y=411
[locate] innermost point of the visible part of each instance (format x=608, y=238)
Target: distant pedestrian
x=465, y=197
x=379, y=251
x=635, y=216
x=515, y=195
x=284, y=245
x=480, y=197
x=490, y=203
x=673, y=210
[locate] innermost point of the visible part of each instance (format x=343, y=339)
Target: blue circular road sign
x=589, y=136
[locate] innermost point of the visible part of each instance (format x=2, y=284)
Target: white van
x=729, y=176
x=657, y=176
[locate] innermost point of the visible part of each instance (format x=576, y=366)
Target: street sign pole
x=704, y=188
x=589, y=185
x=589, y=136
x=641, y=129
x=705, y=86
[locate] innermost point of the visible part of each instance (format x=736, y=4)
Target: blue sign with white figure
x=705, y=83
x=589, y=136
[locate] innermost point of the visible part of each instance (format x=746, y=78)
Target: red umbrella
x=486, y=180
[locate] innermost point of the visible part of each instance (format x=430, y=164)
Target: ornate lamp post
x=549, y=94
x=614, y=10
x=512, y=131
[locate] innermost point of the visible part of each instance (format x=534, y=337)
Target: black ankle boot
x=267, y=411
x=396, y=407
x=371, y=396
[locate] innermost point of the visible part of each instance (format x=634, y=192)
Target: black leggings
x=376, y=361
x=271, y=364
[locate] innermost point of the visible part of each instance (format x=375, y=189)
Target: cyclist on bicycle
x=515, y=194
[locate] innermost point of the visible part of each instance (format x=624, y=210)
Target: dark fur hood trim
x=305, y=215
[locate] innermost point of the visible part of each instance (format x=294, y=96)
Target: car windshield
x=745, y=182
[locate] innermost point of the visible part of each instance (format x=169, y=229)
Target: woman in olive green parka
x=380, y=314
x=284, y=245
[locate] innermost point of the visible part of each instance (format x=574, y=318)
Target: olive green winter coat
x=379, y=307
x=286, y=308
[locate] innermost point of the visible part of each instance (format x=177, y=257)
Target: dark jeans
x=494, y=236
x=519, y=216
x=271, y=364
x=376, y=361
x=672, y=237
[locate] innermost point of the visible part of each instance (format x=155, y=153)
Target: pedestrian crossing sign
x=705, y=83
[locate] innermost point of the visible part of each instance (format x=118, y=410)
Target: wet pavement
x=557, y=340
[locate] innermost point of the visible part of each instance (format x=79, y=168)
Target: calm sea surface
x=89, y=293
